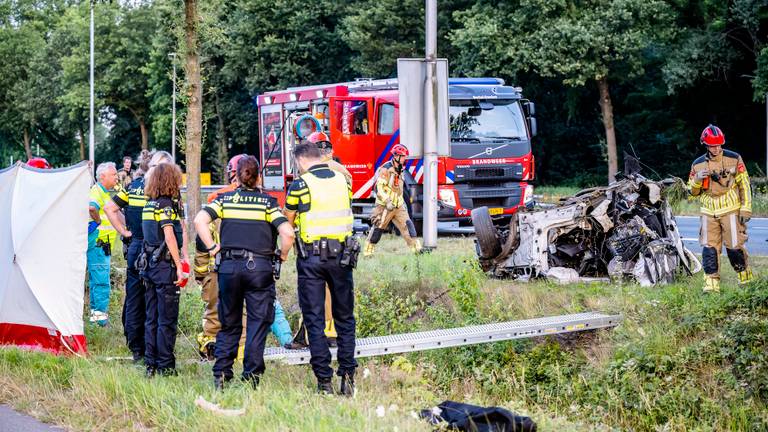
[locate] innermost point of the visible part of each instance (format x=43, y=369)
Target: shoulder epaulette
x=731, y=154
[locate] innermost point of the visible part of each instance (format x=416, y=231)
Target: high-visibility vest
x=99, y=198
x=330, y=211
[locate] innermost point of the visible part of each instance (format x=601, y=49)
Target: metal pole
x=91, y=146
x=173, y=110
x=430, y=129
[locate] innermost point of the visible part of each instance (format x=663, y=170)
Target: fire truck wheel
x=487, y=236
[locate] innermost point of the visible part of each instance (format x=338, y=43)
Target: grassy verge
x=680, y=360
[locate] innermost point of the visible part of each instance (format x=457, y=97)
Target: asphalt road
x=12, y=421
x=757, y=230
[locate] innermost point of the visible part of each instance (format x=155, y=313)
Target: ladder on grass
x=461, y=336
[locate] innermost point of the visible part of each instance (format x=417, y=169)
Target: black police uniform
x=159, y=273
x=132, y=201
x=249, y=221
x=316, y=266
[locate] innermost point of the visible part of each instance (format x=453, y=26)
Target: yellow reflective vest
x=330, y=211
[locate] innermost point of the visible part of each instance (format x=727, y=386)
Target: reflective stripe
x=328, y=230
x=328, y=214
x=734, y=237
x=703, y=230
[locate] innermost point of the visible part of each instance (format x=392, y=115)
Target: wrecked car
x=624, y=231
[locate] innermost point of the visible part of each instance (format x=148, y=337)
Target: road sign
x=411, y=77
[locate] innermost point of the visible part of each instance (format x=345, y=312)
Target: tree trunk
x=194, y=121
x=610, y=133
x=222, y=155
x=144, y=134
x=81, y=135
x=142, y=127
x=27, y=143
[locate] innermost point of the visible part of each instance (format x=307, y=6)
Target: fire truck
x=491, y=126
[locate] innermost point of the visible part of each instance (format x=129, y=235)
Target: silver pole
x=173, y=109
x=430, y=129
x=91, y=147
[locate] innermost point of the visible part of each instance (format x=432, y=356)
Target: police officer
x=132, y=201
x=319, y=203
x=301, y=340
x=390, y=205
x=250, y=223
x=720, y=181
x=160, y=266
x=208, y=279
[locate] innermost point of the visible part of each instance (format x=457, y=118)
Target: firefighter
x=390, y=205
x=160, y=266
x=720, y=181
x=319, y=203
x=132, y=201
x=208, y=280
x=250, y=223
x=301, y=340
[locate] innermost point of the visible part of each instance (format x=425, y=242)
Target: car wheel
x=487, y=236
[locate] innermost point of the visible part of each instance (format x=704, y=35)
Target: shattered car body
x=624, y=231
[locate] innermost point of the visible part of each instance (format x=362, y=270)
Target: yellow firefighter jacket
x=727, y=189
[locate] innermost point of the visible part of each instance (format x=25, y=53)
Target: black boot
x=347, y=384
x=324, y=386
x=150, y=372
x=220, y=382
x=253, y=380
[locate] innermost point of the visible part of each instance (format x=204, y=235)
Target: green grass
x=679, y=361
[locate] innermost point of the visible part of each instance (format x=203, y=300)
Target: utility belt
x=245, y=254
x=150, y=256
x=347, y=250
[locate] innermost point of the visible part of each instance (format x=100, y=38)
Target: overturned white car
x=625, y=231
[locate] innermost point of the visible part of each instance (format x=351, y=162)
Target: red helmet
x=400, y=149
x=712, y=136
x=232, y=166
x=318, y=137
x=39, y=162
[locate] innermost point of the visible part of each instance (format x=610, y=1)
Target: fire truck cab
x=491, y=163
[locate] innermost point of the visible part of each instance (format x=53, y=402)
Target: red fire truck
x=491, y=163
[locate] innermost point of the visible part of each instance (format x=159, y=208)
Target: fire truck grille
x=484, y=173
x=489, y=172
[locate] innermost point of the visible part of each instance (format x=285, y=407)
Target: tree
x=600, y=41
x=125, y=80
x=27, y=77
x=194, y=121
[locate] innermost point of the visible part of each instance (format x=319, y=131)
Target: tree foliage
x=669, y=68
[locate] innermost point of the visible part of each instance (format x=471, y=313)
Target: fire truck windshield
x=487, y=120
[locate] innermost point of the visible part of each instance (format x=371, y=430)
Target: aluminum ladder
x=461, y=336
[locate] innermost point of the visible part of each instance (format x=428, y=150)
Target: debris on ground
x=624, y=231
x=216, y=409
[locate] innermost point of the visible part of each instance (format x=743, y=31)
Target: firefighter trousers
x=381, y=218
x=718, y=230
